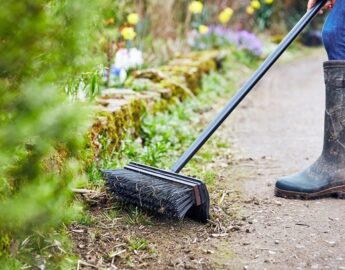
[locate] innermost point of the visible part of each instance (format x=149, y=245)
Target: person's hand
x=329, y=5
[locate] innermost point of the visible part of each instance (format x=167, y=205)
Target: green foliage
x=43, y=44
x=86, y=85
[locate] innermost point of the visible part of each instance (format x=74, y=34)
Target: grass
x=136, y=216
x=209, y=177
x=111, y=214
x=86, y=219
x=46, y=251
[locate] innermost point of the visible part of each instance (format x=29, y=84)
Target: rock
x=217, y=235
x=331, y=243
x=276, y=242
x=279, y=203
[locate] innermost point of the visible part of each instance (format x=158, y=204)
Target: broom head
x=160, y=191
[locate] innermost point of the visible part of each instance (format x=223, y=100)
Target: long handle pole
x=247, y=87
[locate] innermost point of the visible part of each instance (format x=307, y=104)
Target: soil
x=276, y=131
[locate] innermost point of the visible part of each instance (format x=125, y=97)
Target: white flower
x=126, y=59
x=135, y=57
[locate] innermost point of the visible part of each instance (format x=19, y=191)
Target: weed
x=222, y=144
x=137, y=244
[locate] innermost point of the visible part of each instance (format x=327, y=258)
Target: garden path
x=278, y=130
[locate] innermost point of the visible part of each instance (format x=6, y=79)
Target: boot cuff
x=334, y=64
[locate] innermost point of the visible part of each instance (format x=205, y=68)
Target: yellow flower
x=250, y=10
x=203, y=29
x=225, y=15
x=128, y=33
x=133, y=18
x=229, y=10
x=255, y=4
x=195, y=7
x=268, y=2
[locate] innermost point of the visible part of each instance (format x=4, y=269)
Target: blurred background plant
x=262, y=12
x=120, y=38
x=135, y=34
x=44, y=44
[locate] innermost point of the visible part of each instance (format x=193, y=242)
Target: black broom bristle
x=153, y=193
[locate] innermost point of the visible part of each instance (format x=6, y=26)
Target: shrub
x=43, y=44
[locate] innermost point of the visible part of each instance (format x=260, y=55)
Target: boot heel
x=340, y=194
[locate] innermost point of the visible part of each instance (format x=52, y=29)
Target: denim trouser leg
x=334, y=32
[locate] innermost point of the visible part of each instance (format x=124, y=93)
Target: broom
x=174, y=195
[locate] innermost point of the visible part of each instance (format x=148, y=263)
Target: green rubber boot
x=326, y=177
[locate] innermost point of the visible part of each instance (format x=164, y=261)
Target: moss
x=97, y=128
x=153, y=75
x=141, y=84
x=150, y=98
x=5, y=243
x=137, y=108
x=192, y=75
x=177, y=89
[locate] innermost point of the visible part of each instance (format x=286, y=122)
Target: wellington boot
x=326, y=177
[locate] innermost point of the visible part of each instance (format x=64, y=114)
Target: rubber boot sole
x=338, y=192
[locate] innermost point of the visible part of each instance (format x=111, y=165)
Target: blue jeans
x=333, y=33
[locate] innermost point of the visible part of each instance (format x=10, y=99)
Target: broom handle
x=247, y=87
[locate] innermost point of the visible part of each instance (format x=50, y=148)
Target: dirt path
x=278, y=131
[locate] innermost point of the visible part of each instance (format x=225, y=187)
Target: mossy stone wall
x=119, y=111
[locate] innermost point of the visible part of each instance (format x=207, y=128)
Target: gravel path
x=278, y=130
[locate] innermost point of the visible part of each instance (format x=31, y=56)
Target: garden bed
x=120, y=111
